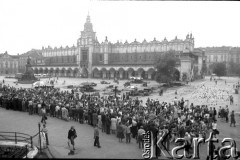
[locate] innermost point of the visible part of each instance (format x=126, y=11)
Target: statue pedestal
x=28, y=77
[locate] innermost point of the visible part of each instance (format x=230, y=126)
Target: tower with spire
x=85, y=46
x=88, y=36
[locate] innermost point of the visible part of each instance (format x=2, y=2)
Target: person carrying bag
x=72, y=134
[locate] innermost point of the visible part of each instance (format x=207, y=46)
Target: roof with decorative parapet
x=8, y=55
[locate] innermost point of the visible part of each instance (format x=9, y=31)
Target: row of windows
x=8, y=65
x=144, y=49
x=66, y=53
x=64, y=59
x=217, y=58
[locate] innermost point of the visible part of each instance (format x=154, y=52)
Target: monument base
x=27, y=81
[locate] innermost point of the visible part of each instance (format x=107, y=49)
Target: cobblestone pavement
x=111, y=148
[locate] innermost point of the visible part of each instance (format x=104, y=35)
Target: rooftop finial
x=88, y=17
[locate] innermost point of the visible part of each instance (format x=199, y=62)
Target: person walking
x=72, y=134
x=96, y=137
x=232, y=119
x=44, y=116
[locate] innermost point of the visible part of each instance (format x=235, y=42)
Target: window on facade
x=100, y=57
x=84, y=56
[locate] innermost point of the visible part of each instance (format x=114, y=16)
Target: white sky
x=27, y=24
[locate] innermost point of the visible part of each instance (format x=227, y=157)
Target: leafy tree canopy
x=219, y=69
x=165, y=66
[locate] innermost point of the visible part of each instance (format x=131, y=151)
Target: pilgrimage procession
x=125, y=116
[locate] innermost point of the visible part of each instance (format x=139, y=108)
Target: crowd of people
x=126, y=117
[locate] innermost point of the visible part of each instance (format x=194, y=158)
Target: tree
x=165, y=66
x=219, y=69
x=234, y=68
x=237, y=70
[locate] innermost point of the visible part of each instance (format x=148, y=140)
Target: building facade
x=9, y=63
x=234, y=55
x=90, y=58
x=221, y=54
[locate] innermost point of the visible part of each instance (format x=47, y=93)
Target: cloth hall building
x=90, y=58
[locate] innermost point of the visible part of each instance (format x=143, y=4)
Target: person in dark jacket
x=108, y=124
x=95, y=118
x=81, y=115
x=103, y=122
x=96, y=137
x=52, y=109
x=72, y=134
x=89, y=117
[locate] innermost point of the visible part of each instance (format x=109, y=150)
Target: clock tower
x=85, y=48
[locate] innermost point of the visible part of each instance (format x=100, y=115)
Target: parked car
x=143, y=93
x=134, y=92
x=127, y=84
x=87, y=88
x=70, y=86
x=110, y=86
x=93, y=84
x=149, y=90
x=104, y=82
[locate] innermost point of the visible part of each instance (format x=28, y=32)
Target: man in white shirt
x=56, y=110
x=214, y=128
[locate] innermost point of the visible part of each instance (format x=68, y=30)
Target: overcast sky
x=27, y=24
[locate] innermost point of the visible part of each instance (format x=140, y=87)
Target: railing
x=17, y=137
x=20, y=137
